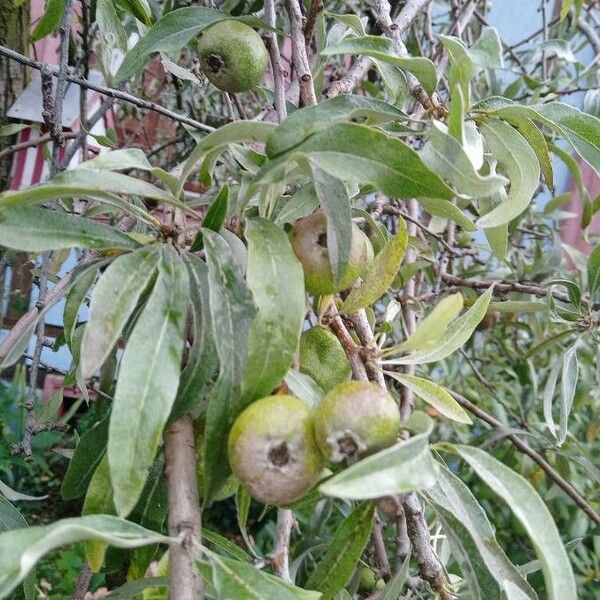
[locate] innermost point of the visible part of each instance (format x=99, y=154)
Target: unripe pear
x=309, y=241
x=232, y=56
x=272, y=450
x=323, y=358
x=355, y=419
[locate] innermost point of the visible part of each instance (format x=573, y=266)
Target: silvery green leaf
x=402, y=468
x=21, y=549
x=114, y=299
x=533, y=514
x=148, y=381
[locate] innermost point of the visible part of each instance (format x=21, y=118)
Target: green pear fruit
x=232, y=56
x=323, y=358
x=272, y=450
x=309, y=241
x=355, y=419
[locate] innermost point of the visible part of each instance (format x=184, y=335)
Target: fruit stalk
x=280, y=560
x=184, y=510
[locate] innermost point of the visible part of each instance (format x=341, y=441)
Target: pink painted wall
x=571, y=230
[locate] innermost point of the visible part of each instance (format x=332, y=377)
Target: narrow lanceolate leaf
x=395, y=586
x=593, y=273
x=568, y=386
x=333, y=197
x=405, y=467
x=434, y=395
x=435, y=323
x=236, y=579
x=519, y=162
x=232, y=310
x=380, y=273
x=274, y=275
x=49, y=20
x=119, y=160
x=37, y=230
x=535, y=517
x=20, y=549
x=360, y=154
x=150, y=512
x=483, y=562
x=528, y=129
x=214, y=218
x=383, y=49
x=75, y=298
x=115, y=297
x=445, y=155
x=239, y=131
x=304, y=387
x=172, y=32
x=581, y=130
x=202, y=360
x=14, y=496
x=10, y=517
x=338, y=564
x=455, y=335
x=98, y=501
x=88, y=454
x=303, y=123
x=447, y=210
x=148, y=380
x=497, y=236
x=84, y=182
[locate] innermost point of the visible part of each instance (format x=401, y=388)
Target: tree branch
x=301, y=63
x=61, y=87
x=275, y=56
x=502, y=287
x=316, y=6
x=184, y=509
x=32, y=315
x=43, y=139
x=397, y=28
x=562, y=483
x=107, y=91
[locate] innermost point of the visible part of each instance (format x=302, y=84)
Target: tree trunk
x=14, y=30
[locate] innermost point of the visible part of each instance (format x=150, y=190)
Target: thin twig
x=361, y=65
x=379, y=545
x=107, y=91
x=316, y=6
x=24, y=446
x=535, y=456
x=410, y=319
x=281, y=555
x=391, y=29
x=276, y=68
x=300, y=57
x=350, y=348
x=502, y=287
x=43, y=139
x=82, y=134
x=85, y=61
x=83, y=582
x=61, y=87
x=429, y=565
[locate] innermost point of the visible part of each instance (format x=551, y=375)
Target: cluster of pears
x=278, y=446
